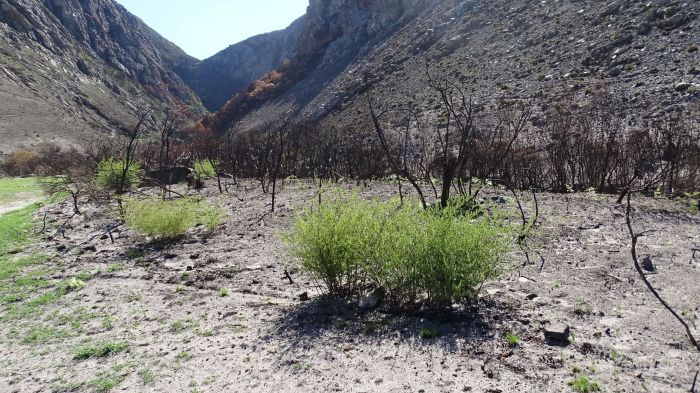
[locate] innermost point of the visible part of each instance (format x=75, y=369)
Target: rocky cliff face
x=69, y=68
x=313, y=50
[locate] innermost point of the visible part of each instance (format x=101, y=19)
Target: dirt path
x=214, y=312
x=27, y=199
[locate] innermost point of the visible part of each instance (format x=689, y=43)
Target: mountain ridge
x=87, y=64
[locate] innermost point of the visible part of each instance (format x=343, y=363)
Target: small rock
x=615, y=71
x=557, y=331
x=371, y=300
x=253, y=267
x=644, y=28
x=673, y=22
x=169, y=256
x=682, y=86
x=648, y=265
x=304, y=297
x=194, y=256
x=189, y=268
x=611, y=9
x=531, y=296
x=499, y=199
x=84, y=67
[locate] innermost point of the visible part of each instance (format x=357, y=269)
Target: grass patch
x=183, y=356
x=435, y=256
x=16, y=229
x=147, y=376
x=582, y=384
x=99, y=350
x=172, y=218
x=178, y=327
x=43, y=334
x=106, y=382
x=16, y=189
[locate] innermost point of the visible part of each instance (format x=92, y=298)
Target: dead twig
x=43, y=227
x=638, y=267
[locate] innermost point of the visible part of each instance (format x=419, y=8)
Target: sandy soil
x=165, y=303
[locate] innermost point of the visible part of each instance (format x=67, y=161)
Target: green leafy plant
x=582, y=384
x=171, y=218
x=439, y=256
x=512, y=339
x=204, y=169
x=110, y=172
x=74, y=284
x=692, y=199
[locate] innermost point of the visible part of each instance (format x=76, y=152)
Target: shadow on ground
x=327, y=320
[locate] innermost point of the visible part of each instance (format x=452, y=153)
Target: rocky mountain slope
x=69, y=68
x=646, y=52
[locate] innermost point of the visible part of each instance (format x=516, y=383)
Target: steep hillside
x=71, y=68
x=68, y=68
x=644, y=51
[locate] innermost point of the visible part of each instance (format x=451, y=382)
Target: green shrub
x=171, y=218
x=111, y=170
x=204, y=169
x=328, y=243
x=436, y=256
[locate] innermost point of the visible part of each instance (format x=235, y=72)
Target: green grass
x=16, y=229
x=43, y=334
x=178, y=327
x=183, y=356
x=24, y=287
x=99, y=350
x=582, y=384
x=436, y=256
x=147, y=376
x=106, y=382
x=17, y=189
x=171, y=219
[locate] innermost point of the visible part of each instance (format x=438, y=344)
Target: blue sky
x=203, y=27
